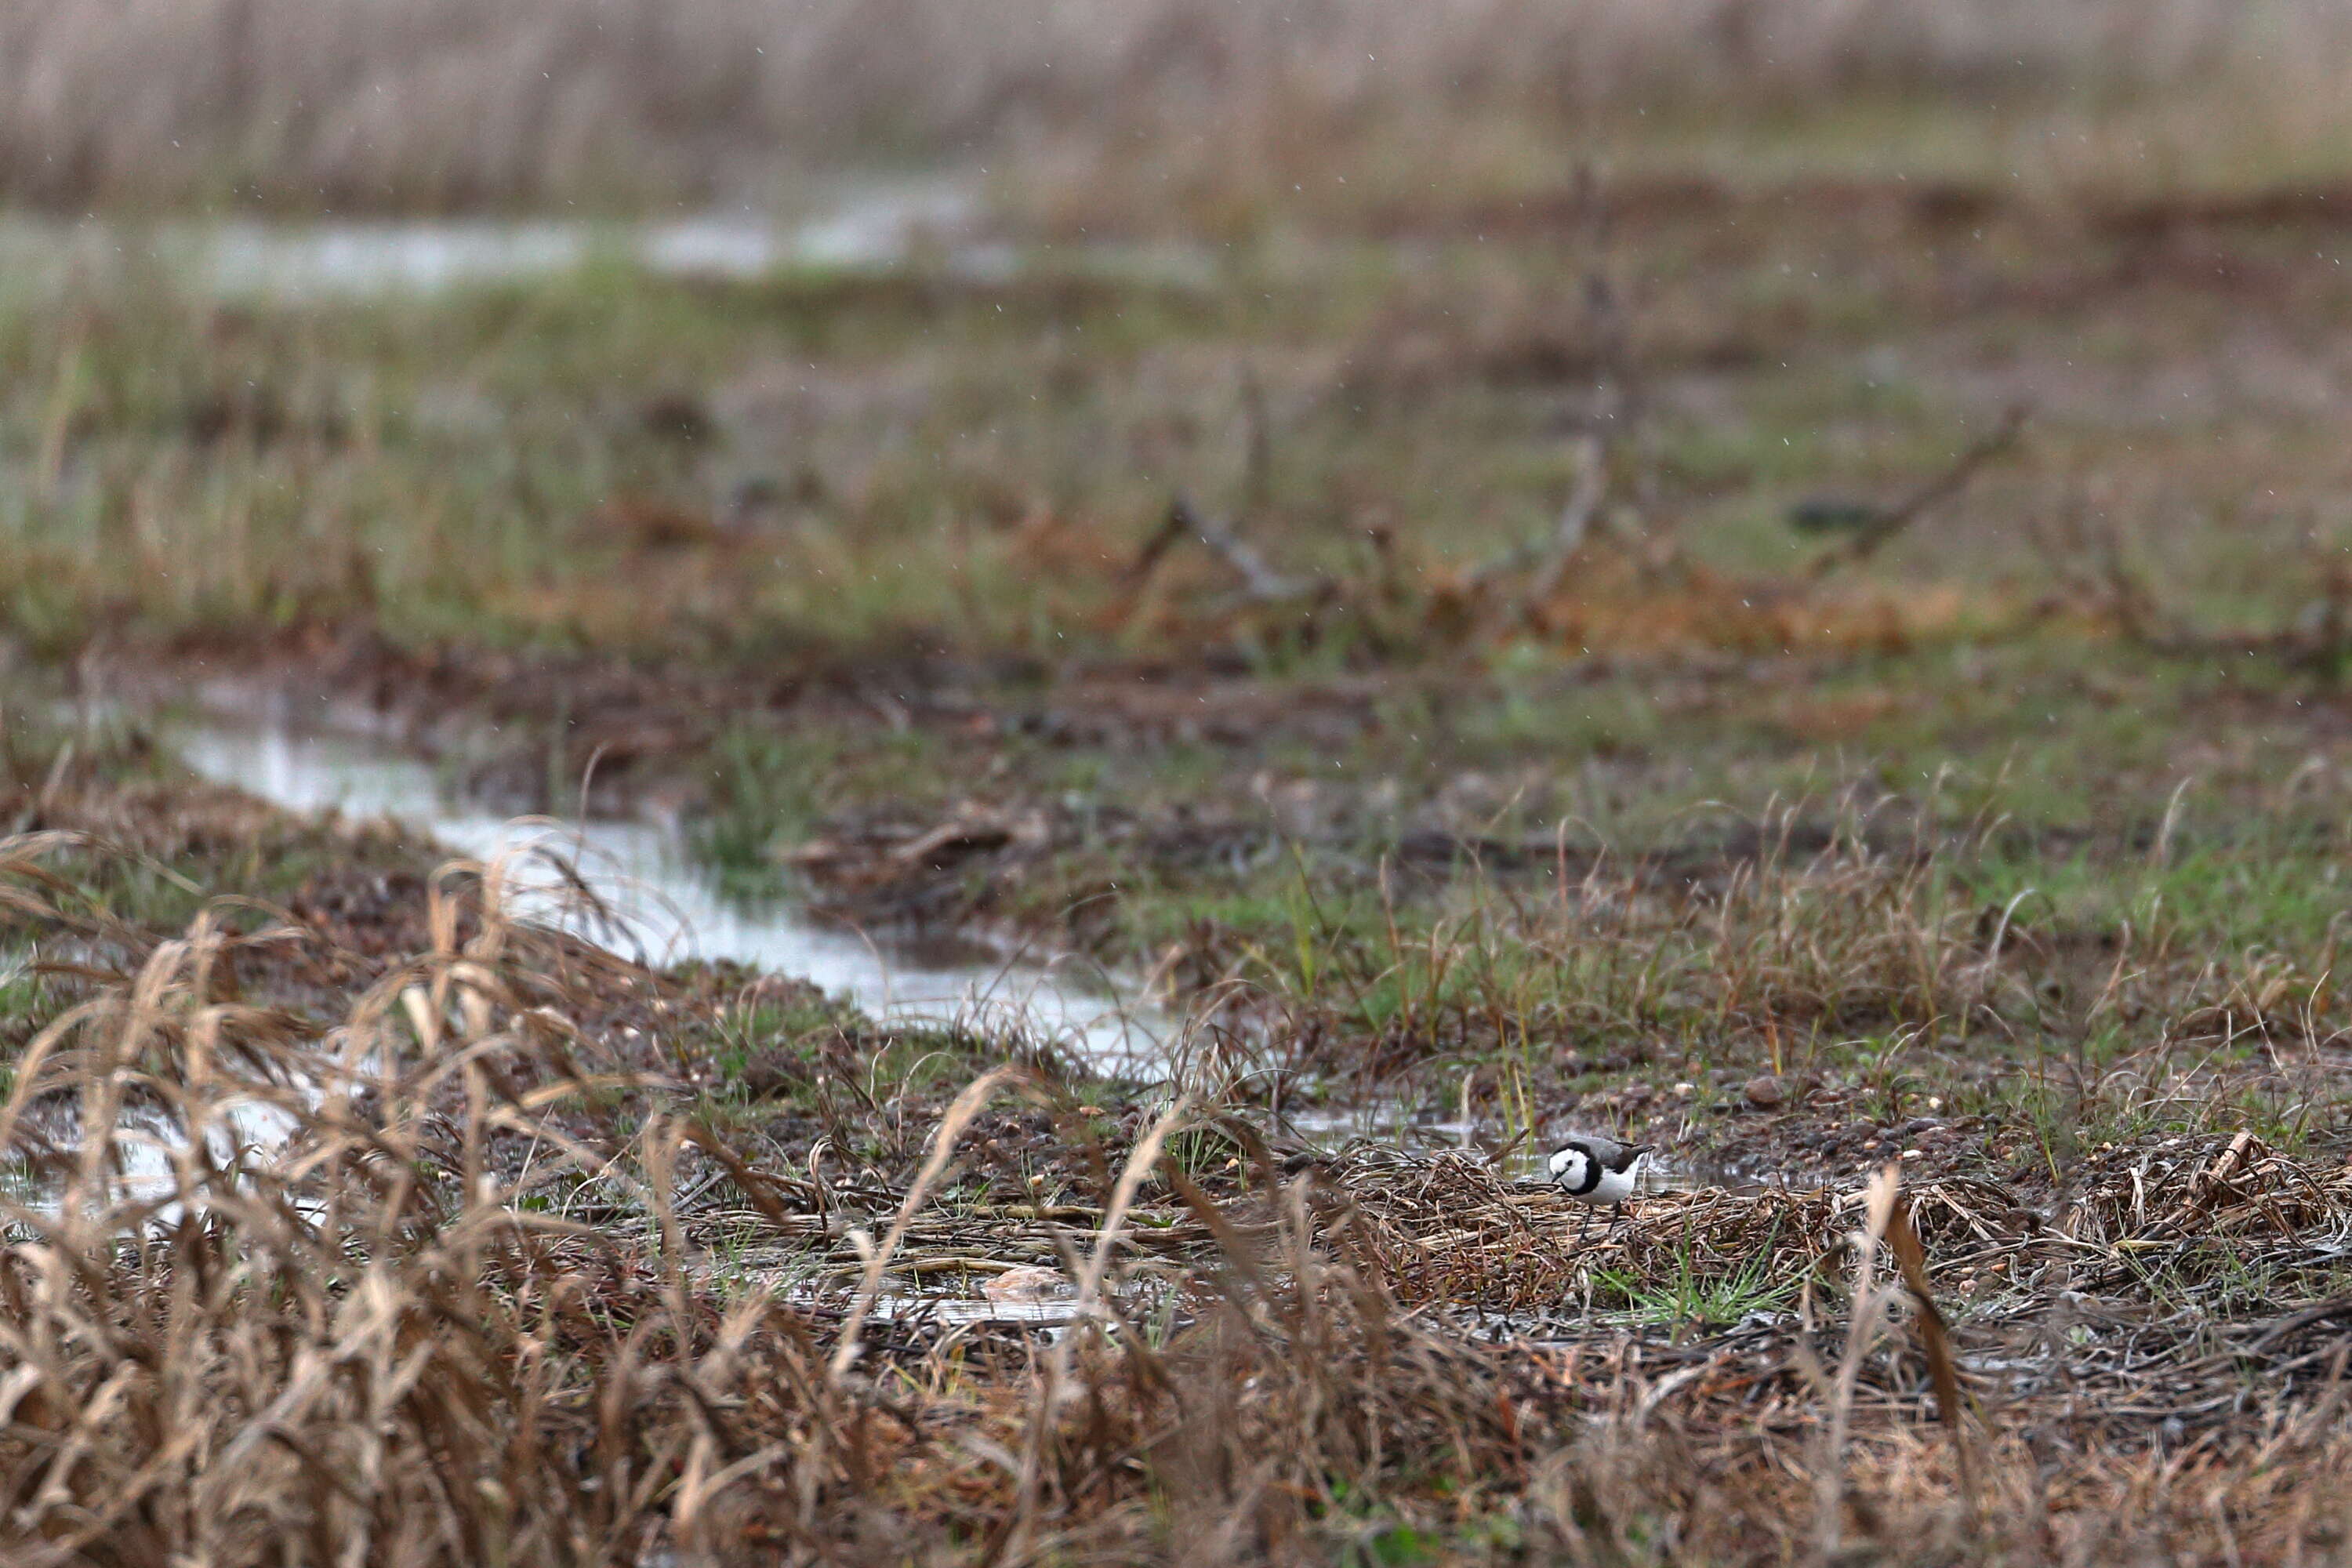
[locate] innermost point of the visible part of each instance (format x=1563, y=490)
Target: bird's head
x=1569, y=1165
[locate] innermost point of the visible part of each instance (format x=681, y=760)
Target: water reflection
x=657, y=903
x=870, y=224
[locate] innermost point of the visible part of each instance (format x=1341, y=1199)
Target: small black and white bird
x=1597, y=1171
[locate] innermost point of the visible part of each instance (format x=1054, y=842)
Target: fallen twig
x=1873, y=536
x=1575, y=520
x=1547, y=558
x=1260, y=582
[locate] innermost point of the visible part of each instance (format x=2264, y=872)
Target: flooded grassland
x=1028, y=1018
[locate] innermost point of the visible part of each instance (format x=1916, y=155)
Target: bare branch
x=1548, y=557
x=1260, y=581
x=1575, y=523
x=1868, y=541
x=1257, y=449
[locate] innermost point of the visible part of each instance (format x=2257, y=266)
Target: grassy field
x=1794, y=635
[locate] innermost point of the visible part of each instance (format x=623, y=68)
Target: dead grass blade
x=1935, y=1340
x=960, y=1115
x=1862, y=1319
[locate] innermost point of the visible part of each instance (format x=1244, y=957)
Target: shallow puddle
x=961, y=1311
x=659, y=905
x=875, y=224
x=935, y=223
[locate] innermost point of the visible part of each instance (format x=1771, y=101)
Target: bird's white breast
x=1615, y=1186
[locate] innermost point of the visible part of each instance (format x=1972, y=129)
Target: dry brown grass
x=374, y=103
x=473, y=1311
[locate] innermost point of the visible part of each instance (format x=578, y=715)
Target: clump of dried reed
x=413, y=1284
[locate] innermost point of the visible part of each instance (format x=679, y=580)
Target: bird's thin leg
x=1617, y=1223
x=1586, y=1226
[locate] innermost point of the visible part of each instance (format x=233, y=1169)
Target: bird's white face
x=1568, y=1168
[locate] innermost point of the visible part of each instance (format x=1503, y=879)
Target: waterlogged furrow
x=631, y=886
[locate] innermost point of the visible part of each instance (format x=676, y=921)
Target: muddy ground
x=1952, y=896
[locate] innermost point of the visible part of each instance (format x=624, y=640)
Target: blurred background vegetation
x=447, y=105
x=727, y=328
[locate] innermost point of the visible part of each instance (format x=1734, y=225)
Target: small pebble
x=1765, y=1092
